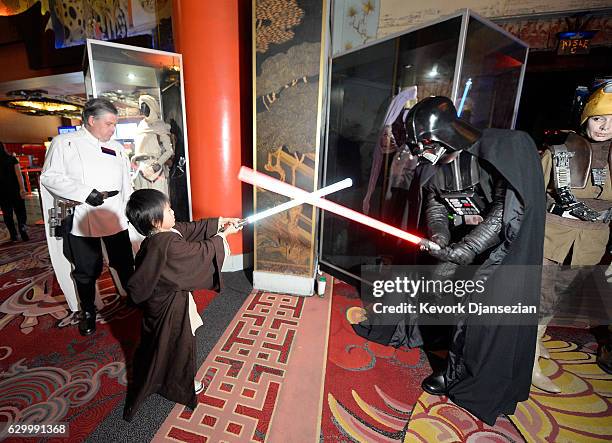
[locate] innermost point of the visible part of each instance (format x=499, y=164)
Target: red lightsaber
x=255, y=178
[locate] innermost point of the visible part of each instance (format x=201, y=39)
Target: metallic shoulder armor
x=579, y=167
x=571, y=167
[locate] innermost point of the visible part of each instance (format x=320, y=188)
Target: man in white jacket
x=92, y=171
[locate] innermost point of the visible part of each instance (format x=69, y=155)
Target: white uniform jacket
x=77, y=163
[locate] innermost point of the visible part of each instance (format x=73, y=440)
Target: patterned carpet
x=582, y=412
x=286, y=369
x=373, y=393
x=369, y=388
x=262, y=380
x=48, y=372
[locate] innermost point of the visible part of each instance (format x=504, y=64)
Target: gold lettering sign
x=574, y=46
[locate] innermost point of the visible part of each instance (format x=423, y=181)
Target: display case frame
x=470, y=24
x=149, y=62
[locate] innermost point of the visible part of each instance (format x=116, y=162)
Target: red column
x=207, y=34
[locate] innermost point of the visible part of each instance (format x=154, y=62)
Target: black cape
x=491, y=365
x=499, y=359
x=168, y=267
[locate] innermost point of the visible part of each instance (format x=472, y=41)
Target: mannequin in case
x=153, y=147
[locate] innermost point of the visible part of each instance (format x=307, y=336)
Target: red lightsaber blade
x=255, y=178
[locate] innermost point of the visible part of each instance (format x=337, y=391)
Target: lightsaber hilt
x=428, y=245
x=239, y=224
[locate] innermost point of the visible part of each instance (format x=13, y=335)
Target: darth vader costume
x=490, y=184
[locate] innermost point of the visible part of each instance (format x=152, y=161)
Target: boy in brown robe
x=173, y=260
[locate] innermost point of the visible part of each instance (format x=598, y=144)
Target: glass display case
x=464, y=57
x=146, y=86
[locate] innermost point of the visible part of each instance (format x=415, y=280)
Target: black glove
x=482, y=237
x=108, y=194
x=95, y=198
x=444, y=270
x=440, y=239
x=458, y=253
x=156, y=167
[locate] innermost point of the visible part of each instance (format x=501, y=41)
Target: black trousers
x=85, y=253
x=10, y=205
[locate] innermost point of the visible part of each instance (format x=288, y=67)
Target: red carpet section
x=263, y=379
x=48, y=372
x=372, y=392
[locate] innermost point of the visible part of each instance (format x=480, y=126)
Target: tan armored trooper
x=579, y=193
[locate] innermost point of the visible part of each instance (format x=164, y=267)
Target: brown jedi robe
x=168, y=267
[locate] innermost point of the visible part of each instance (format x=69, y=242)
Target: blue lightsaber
x=468, y=85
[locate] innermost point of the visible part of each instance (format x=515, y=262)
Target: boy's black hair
x=145, y=209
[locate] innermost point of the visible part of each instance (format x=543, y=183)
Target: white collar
x=93, y=138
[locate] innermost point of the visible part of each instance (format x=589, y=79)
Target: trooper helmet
x=433, y=129
x=598, y=103
x=149, y=107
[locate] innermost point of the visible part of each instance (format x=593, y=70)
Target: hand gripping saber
x=254, y=178
x=346, y=183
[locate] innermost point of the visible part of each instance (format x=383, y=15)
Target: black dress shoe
x=435, y=384
x=87, y=324
x=24, y=235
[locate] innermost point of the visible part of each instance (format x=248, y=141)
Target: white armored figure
x=153, y=147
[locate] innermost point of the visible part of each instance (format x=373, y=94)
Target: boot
x=538, y=379
x=87, y=324
x=24, y=233
x=87, y=294
x=199, y=386
x=604, y=353
x=435, y=384
x=543, y=350
x=12, y=232
x=604, y=358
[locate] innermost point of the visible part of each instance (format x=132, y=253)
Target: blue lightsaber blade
x=468, y=85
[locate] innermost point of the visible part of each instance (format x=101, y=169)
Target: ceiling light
x=37, y=102
x=43, y=106
x=131, y=76
x=48, y=106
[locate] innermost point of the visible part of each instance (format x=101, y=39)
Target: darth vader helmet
x=433, y=129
